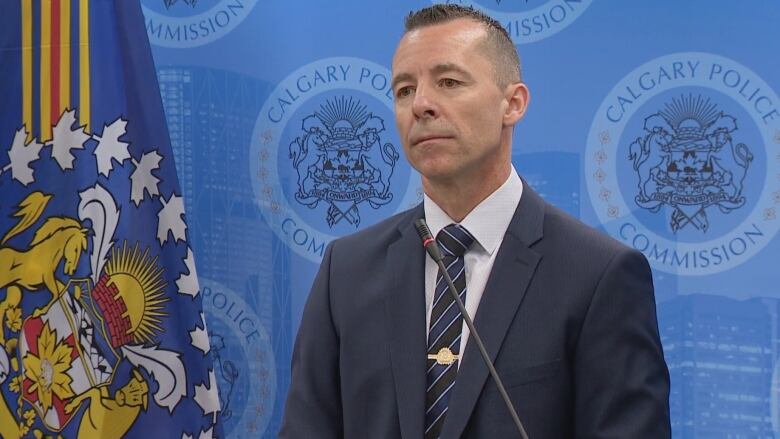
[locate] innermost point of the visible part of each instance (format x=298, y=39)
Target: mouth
x=429, y=138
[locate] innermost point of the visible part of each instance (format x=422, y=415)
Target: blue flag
x=102, y=332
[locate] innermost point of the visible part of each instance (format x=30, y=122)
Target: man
x=566, y=314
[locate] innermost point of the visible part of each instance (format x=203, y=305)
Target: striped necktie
x=445, y=328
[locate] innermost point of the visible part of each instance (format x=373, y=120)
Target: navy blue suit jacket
x=568, y=317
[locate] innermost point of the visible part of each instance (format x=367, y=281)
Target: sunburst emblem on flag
x=135, y=281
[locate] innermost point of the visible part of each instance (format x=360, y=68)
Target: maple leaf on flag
x=188, y=283
x=207, y=396
x=142, y=178
x=21, y=156
x=65, y=138
x=200, y=337
x=110, y=147
x=171, y=219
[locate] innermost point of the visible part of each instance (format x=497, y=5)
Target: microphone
x=428, y=241
x=430, y=245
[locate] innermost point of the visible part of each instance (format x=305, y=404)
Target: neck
x=459, y=196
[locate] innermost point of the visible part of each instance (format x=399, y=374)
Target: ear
x=517, y=98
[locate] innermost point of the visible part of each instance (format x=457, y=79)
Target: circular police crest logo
x=682, y=162
x=531, y=20
x=243, y=361
x=325, y=159
x=191, y=23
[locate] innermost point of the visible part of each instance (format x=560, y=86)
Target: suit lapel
x=512, y=272
x=405, y=306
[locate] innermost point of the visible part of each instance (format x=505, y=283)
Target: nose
x=423, y=105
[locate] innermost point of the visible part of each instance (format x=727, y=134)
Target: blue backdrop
x=656, y=122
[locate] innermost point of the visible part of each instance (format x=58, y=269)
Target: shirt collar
x=488, y=221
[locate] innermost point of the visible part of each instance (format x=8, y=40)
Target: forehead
x=451, y=42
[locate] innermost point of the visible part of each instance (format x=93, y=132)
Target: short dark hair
x=506, y=61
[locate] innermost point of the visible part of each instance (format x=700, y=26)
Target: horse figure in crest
x=35, y=268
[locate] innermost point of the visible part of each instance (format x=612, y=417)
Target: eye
x=449, y=82
x=404, y=91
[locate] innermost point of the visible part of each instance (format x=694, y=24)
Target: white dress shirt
x=488, y=223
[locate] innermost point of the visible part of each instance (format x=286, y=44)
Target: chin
x=439, y=173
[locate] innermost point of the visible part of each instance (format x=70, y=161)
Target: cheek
x=486, y=126
x=401, y=121
x=402, y=127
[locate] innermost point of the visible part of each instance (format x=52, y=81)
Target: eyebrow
x=438, y=69
x=449, y=67
x=400, y=78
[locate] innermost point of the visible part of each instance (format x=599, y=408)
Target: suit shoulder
x=563, y=229
x=378, y=235
x=584, y=255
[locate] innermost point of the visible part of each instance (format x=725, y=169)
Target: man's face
x=449, y=109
